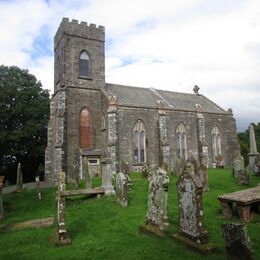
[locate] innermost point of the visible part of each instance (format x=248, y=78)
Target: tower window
x=84, y=64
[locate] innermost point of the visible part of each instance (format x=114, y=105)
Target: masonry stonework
x=114, y=111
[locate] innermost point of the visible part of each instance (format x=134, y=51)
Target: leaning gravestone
x=121, y=189
x=239, y=171
x=107, y=177
x=1, y=199
x=19, y=179
x=63, y=236
x=238, y=245
x=191, y=230
x=156, y=217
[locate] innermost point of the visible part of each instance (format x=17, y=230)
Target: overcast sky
x=166, y=44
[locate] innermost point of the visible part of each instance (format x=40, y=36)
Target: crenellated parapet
x=74, y=28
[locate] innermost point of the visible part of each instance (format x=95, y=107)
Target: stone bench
x=94, y=191
x=244, y=200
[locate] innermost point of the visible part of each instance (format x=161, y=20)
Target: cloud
x=164, y=44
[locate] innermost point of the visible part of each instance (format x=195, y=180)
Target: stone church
x=91, y=119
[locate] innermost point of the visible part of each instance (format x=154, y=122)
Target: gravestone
x=1, y=199
x=193, y=162
x=191, y=215
x=63, y=236
x=37, y=182
x=145, y=171
x=107, y=177
x=19, y=179
x=202, y=175
x=156, y=217
x=121, y=189
x=125, y=167
x=86, y=173
x=220, y=161
x=257, y=165
x=253, y=149
x=238, y=245
x=239, y=171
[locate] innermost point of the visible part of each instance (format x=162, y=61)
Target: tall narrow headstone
x=37, y=182
x=239, y=171
x=156, y=217
x=191, y=215
x=238, y=245
x=107, y=177
x=19, y=180
x=86, y=173
x=121, y=189
x=63, y=236
x=1, y=199
x=253, y=150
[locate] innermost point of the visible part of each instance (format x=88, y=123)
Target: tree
x=24, y=110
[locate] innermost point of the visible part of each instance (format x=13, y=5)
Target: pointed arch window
x=85, y=129
x=139, y=142
x=181, y=141
x=216, y=142
x=84, y=64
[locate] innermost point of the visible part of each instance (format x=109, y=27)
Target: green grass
x=101, y=229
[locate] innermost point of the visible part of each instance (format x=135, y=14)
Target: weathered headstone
x=193, y=162
x=37, y=182
x=107, y=177
x=257, y=165
x=125, y=167
x=238, y=245
x=220, y=161
x=86, y=173
x=253, y=149
x=1, y=199
x=202, y=175
x=178, y=164
x=145, y=170
x=19, y=180
x=121, y=189
x=63, y=236
x=239, y=171
x=191, y=219
x=156, y=217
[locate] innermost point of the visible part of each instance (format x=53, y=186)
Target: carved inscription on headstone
x=191, y=212
x=121, y=189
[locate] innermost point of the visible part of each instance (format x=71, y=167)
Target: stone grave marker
x=63, y=236
x=176, y=166
x=145, y=171
x=19, y=179
x=238, y=245
x=239, y=171
x=191, y=215
x=126, y=171
x=86, y=172
x=257, y=165
x=107, y=177
x=121, y=189
x=202, y=175
x=37, y=182
x=1, y=198
x=253, y=148
x=156, y=217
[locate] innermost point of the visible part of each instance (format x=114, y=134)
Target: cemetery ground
x=101, y=229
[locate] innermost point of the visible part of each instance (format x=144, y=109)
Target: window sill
x=87, y=78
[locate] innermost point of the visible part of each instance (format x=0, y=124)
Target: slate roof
x=147, y=97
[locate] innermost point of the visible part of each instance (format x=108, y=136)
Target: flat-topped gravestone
x=238, y=245
x=156, y=217
x=121, y=189
x=107, y=177
x=19, y=179
x=244, y=200
x=239, y=171
x=191, y=215
x=1, y=199
x=63, y=236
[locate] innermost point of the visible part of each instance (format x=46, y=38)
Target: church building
x=91, y=120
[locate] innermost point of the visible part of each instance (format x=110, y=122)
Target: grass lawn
x=102, y=229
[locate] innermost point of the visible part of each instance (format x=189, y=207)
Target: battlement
x=77, y=29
